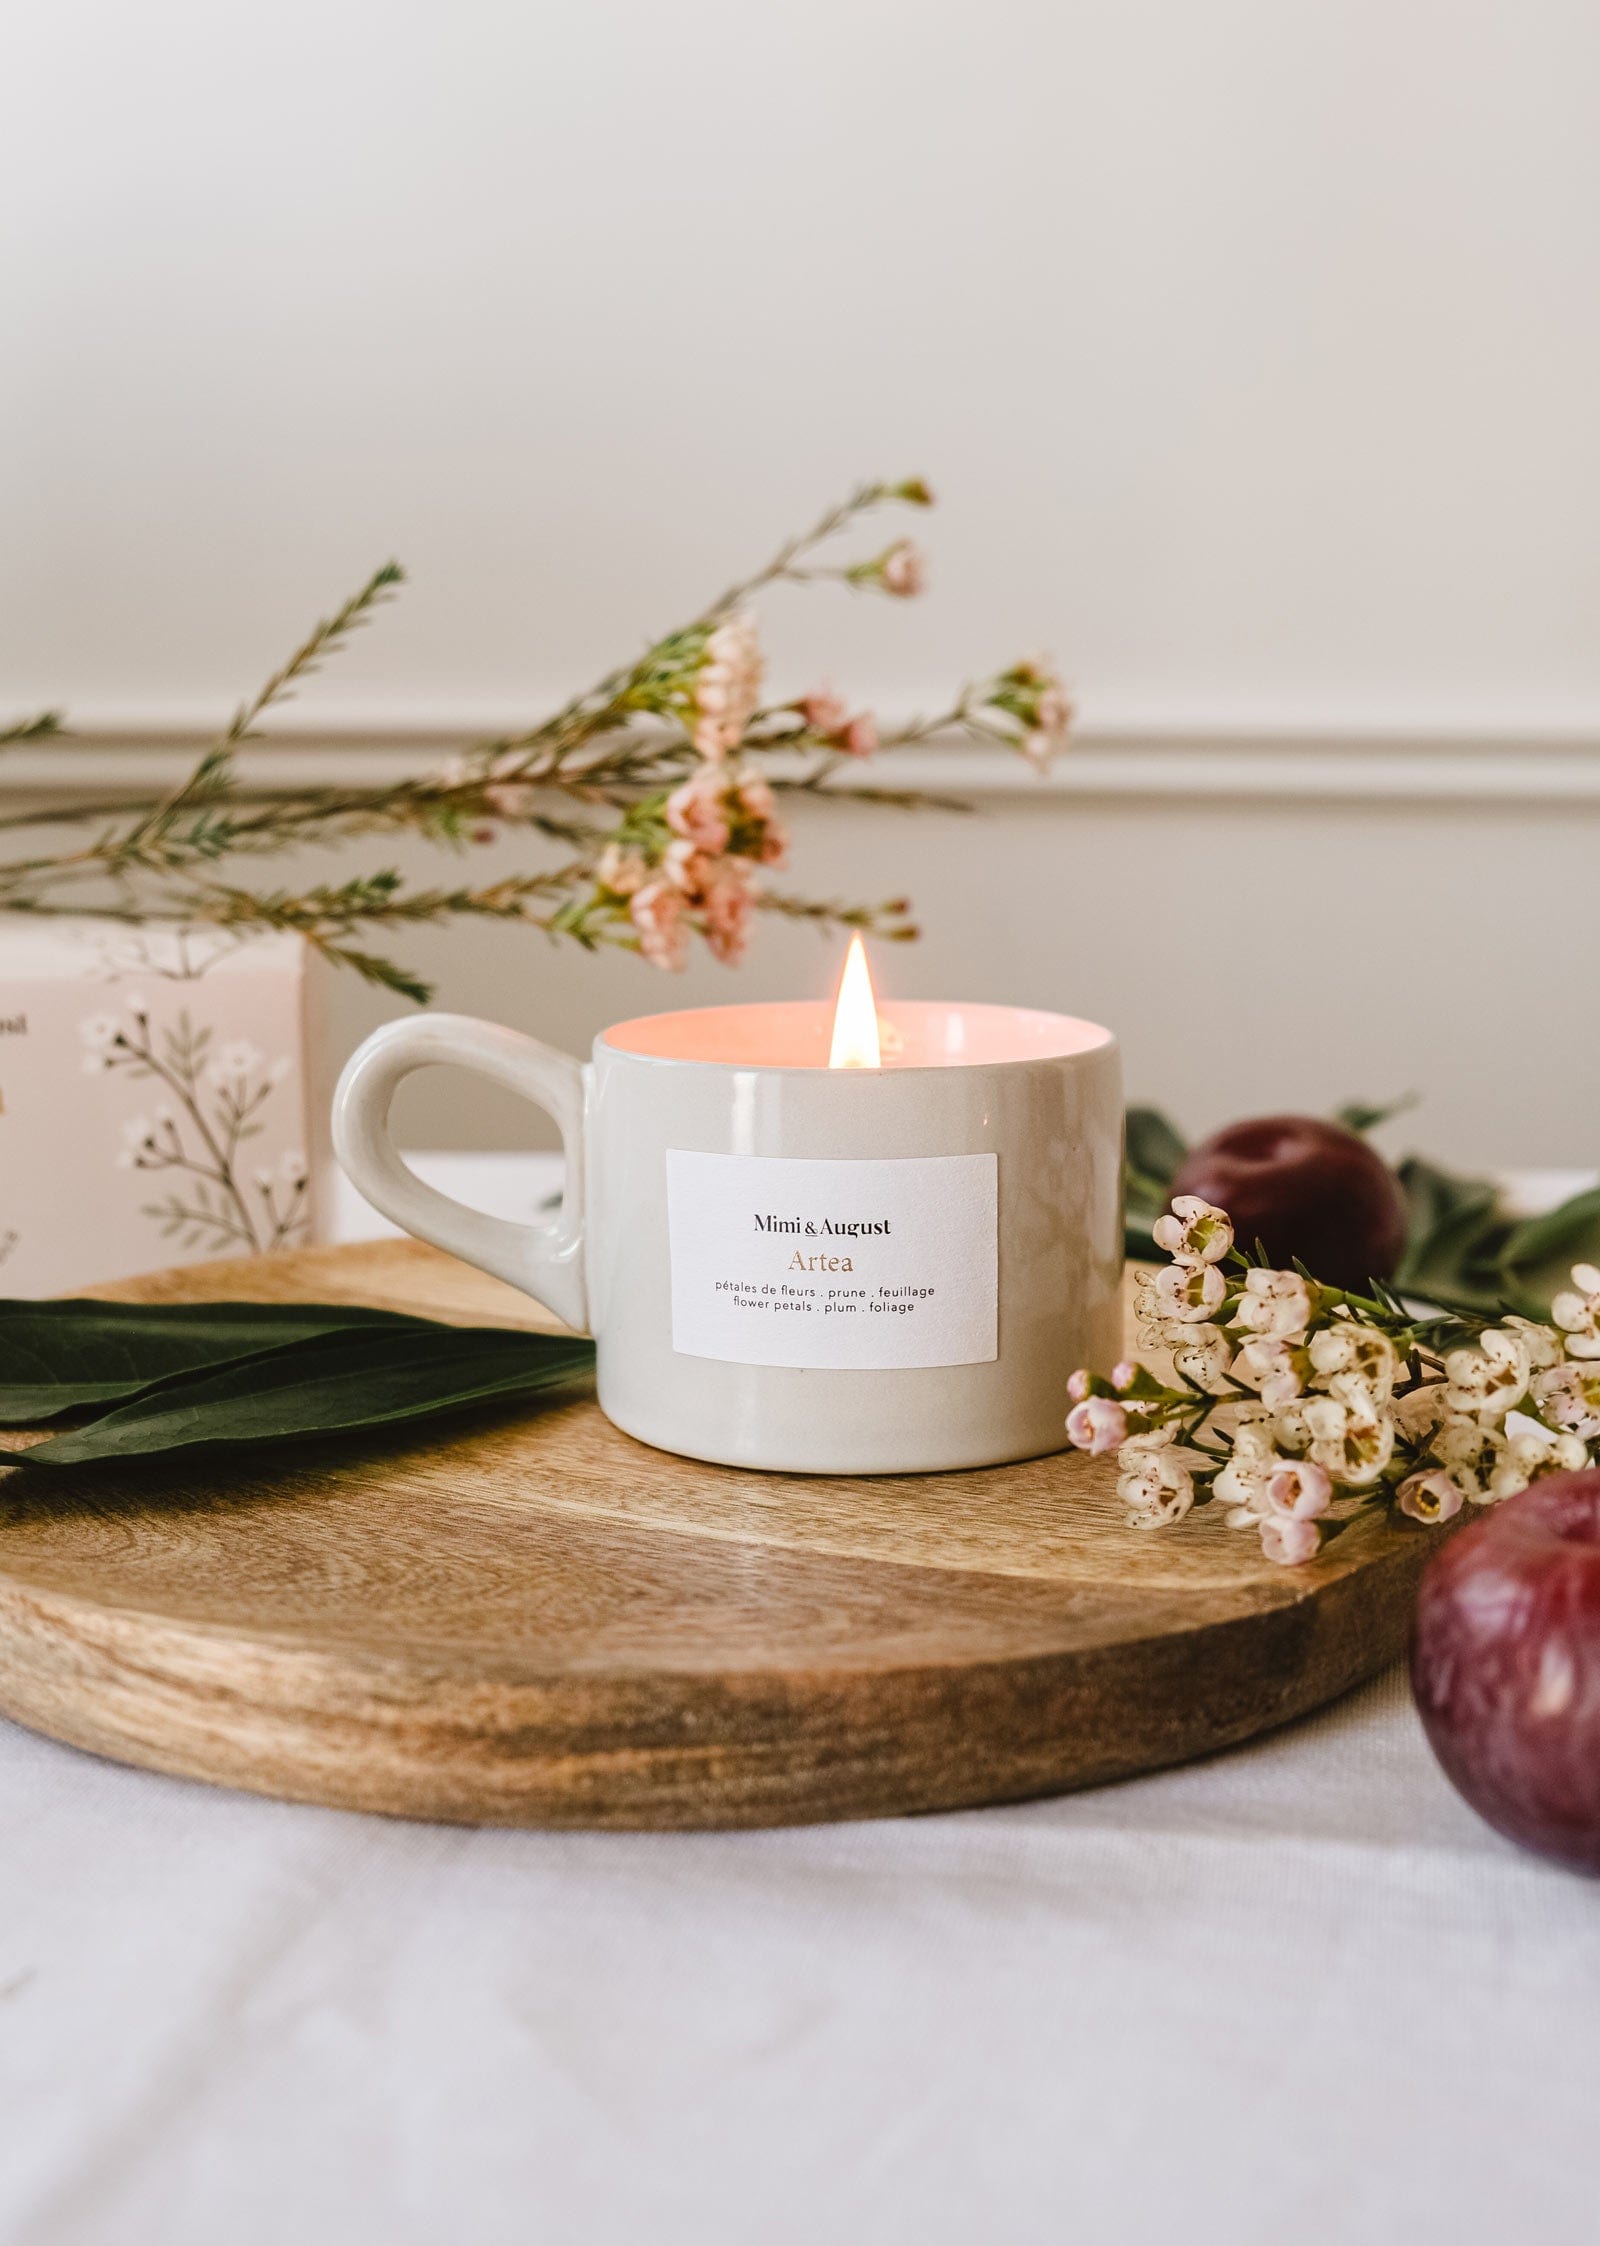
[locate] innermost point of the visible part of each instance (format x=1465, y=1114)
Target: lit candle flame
x=855, y=1017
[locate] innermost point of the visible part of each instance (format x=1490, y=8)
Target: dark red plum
x=1308, y=1191
x=1505, y=1666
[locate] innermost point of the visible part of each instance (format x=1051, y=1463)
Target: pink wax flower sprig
x=1295, y=1404
x=899, y=571
x=683, y=862
x=659, y=786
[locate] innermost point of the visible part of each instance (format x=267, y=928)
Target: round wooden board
x=538, y=1621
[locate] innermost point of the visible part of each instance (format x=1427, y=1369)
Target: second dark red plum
x=1505, y=1666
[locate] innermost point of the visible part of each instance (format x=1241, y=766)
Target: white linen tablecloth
x=1297, y=1994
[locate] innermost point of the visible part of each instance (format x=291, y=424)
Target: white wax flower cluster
x=1293, y=1403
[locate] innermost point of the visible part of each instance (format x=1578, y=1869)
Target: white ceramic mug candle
x=791, y=1253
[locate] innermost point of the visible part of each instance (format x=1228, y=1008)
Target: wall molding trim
x=1364, y=763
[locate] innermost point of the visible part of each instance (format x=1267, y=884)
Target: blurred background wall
x=1252, y=348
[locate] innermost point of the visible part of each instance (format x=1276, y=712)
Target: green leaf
x=330, y=1384
x=1361, y=1116
x=58, y=1357
x=44, y=727
x=1537, y=1256
x=1454, y=1237
x=1433, y=1194
x=1154, y=1152
x=372, y=967
x=1155, y=1147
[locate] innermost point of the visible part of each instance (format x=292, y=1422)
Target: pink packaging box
x=155, y=1099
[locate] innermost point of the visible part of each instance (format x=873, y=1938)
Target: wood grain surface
x=534, y=1620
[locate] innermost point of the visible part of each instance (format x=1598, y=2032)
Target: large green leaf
x=1154, y=1146
x=1464, y=1252
x=332, y=1383
x=59, y=1357
x=1537, y=1256
x=1453, y=1237
x=1362, y=1116
x=1154, y=1150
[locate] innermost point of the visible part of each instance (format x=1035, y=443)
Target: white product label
x=868, y=1265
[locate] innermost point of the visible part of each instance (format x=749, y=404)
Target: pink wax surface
x=916, y=1033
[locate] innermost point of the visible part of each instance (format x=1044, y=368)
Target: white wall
x=1253, y=346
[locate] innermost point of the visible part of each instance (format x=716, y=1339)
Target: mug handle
x=544, y=1260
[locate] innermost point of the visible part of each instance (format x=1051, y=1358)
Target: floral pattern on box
x=201, y=1132
x=153, y=1099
